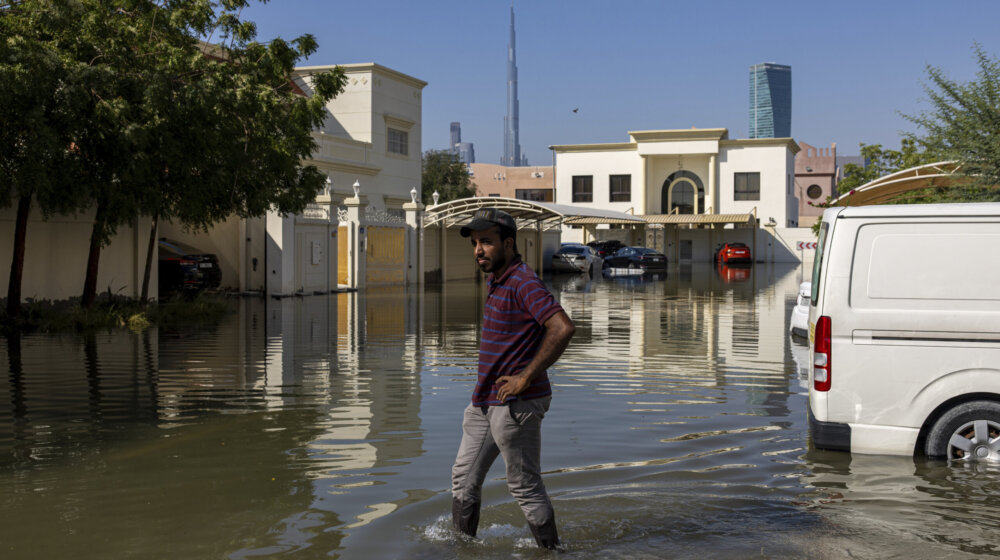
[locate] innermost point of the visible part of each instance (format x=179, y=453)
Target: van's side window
x=818, y=262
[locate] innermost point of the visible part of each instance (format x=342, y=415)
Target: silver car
x=576, y=257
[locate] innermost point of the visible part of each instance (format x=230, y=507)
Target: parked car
x=636, y=258
x=733, y=253
x=606, y=248
x=576, y=257
x=903, y=328
x=799, y=323
x=184, y=268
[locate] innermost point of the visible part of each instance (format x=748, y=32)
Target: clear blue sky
x=640, y=65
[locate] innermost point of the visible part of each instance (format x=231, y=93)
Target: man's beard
x=491, y=265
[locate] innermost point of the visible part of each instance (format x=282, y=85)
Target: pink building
x=524, y=183
x=815, y=180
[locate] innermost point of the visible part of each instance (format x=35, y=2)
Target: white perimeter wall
x=55, y=257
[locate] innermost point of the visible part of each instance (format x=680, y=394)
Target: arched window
x=682, y=190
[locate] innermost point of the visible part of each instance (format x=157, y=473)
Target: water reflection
x=326, y=426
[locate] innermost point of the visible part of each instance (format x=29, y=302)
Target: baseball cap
x=487, y=218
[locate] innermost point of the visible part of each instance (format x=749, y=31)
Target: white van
x=904, y=331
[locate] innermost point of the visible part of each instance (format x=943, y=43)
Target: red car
x=733, y=253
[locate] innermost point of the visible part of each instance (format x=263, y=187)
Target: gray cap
x=487, y=218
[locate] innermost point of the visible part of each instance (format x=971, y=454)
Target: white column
x=280, y=254
x=711, y=185
x=356, y=240
x=414, y=242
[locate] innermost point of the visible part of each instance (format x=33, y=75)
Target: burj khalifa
x=511, y=132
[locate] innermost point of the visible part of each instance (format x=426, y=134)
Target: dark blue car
x=185, y=269
x=637, y=257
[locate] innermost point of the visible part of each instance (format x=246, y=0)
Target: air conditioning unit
x=537, y=175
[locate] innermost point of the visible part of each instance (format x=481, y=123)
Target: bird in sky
x=577, y=110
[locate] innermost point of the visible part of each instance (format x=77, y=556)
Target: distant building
x=523, y=183
x=842, y=162
x=770, y=101
x=464, y=150
x=511, y=129
x=816, y=177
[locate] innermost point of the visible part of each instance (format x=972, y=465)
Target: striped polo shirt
x=516, y=309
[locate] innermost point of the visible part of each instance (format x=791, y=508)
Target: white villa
x=691, y=182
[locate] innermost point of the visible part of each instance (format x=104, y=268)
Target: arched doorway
x=684, y=191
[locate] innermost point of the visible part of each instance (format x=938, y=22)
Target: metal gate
x=385, y=247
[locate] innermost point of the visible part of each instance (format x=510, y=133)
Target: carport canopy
x=884, y=189
x=547, y=215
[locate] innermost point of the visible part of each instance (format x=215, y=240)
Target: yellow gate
x=385, y=255
x=343, y=259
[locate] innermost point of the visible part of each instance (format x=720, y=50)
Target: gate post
x=331, y=243
x=414, y=239
x=356, y=238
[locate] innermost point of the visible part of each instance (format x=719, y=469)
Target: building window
x=620, y=188
x=583, y=188
x=814, y=191
x=398, y=142
x=746, y=186
x=536, y=195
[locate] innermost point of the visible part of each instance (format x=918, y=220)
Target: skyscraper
x=511, y=132
x=464, y=150
x=770, y=100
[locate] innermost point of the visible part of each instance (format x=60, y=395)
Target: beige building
x=524, y=183
x=372, y=138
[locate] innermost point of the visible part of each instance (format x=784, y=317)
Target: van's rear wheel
x=968, y=432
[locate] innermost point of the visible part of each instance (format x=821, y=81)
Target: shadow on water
x=326, y=427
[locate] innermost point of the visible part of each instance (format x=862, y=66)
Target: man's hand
x=511, y=385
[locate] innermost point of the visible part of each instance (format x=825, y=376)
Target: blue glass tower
x=770, y=101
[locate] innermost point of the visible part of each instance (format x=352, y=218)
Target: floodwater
x=325, y=427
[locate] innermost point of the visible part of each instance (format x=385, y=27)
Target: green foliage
x=112, y=312
x=141, y=117
x=963, y=123
x=882, y=162
x=445, y=173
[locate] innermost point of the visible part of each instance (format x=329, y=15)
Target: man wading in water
x=525, y=330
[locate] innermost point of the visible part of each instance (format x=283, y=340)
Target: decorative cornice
x=330, y=164
x=398, y=121
x=366, y=67
x=748, y=142
x=684, y=134
x=613, y=147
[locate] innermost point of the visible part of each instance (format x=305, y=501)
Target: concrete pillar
x=280, y=254
x=710, y=199
x=356, y=240
x=414, y=241
x=332, y=246
x=443, y=250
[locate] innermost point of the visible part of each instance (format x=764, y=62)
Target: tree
x=40, y=114
x=963, y=123
x=881, y=162
x=172, y=128
x=443, y=172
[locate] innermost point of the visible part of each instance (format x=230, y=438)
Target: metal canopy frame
x=883, y=189
x=526, y=213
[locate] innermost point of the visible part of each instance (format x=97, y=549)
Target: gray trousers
x=514, y=431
